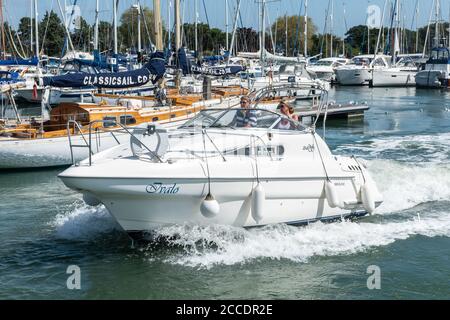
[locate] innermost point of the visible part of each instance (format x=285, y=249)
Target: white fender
x=209, y=207
x=367, y=197
x=258, y=198
x=332, y=195
x=90, y=200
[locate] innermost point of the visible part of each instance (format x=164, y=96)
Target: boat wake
x=83, y=223
x=408, y=190
x=405, y=186
x=413, y=148
x=298, y=244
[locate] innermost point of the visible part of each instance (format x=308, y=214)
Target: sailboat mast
x=306, y=28
x=3, y=31
x=417, y=27
x=263, y=34
x=286, y=35
x=331, y=28
x=236, y=19
x=226, y=22
x=116, y=51
x=158, y=24
x=139, y=46
x=196, y=25
x=36, y=28
x=31, y=27
x=169, y=26
x=96, y=26
x=177, y=25
x=438, y=8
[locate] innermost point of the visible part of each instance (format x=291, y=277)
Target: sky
x=355, y=10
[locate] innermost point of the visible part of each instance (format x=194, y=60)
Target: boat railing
x=88, y=142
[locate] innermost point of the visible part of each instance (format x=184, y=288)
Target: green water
x=405, y=138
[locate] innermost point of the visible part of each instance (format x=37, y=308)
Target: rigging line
x=13, y=43
x=46, y=28
x=18, y=38
x=325, y=27
x=206, y=12
x=146, y=26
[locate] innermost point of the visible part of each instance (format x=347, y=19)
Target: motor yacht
x=402, y=74
x=324, y=69
x=436, y=73
x=359, y=71
x=216, y=170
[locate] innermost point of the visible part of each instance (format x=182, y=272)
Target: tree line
x=285, y=35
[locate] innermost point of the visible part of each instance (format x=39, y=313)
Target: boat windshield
x=324, y=63
x=242, y=118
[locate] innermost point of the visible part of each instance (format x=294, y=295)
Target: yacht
x=325, y=68
x=436, y=73
x=359, y=71
x=402, y=74
x=211, y=170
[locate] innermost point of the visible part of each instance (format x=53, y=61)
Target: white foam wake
x=83, y=223
x=298, y=244
x=405, y=186
x=414, y=148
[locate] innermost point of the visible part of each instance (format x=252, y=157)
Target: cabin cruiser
x=324, y=69
x=359, y=71
x=289, y=74
x=436, y=73
x=213, y=170
x=402, y=74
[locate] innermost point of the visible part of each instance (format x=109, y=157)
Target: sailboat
x=403, y=70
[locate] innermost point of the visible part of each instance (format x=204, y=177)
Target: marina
x=167, y=159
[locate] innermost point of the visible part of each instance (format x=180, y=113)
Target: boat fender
x=210, y=207
x=367, y=197
x=332, y=195
x=258, y=198
x=90, y=200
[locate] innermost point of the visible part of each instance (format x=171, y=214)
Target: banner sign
x=154, y=70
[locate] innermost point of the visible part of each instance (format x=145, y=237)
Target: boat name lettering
x=211, y=71
x=309, y=148
x=115, y=80
x=159, y=188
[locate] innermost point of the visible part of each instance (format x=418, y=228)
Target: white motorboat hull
x=167, y=194
x=393, y=78
x=353, y=76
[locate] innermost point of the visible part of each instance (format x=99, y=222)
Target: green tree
x=24, y=32
x=295, y=34
x=105, y=38
x=210, y=41
x=51, y=33
x=81, y=38
x=128, y=30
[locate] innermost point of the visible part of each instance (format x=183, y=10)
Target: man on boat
x=246, y=117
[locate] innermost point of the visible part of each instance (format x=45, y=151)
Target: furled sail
x=20, y=62
x=152, y=71
x=189, y=67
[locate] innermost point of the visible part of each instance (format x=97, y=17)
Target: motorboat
x=359, y=71
x=436, y=73
x=214, y=170
x=324, y=69
x=402, y=74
